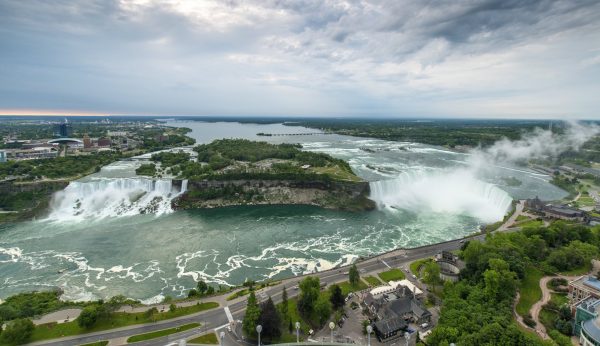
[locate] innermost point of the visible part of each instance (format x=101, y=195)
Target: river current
x=96, y=243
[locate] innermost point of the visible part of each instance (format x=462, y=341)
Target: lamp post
x=222, y=336
x=258, y=330
x=369, y=331
x=332, y=327
x=298, y=332
x=406, y=337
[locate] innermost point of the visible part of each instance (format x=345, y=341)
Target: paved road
x=216, y=317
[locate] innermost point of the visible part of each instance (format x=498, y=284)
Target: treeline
x=56, y=168
x=477, y=310
x=437, y=132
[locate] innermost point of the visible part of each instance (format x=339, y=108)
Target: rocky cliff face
x=332, y=195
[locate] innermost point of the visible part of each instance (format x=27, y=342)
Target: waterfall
x=455, y=192
x=110, y=197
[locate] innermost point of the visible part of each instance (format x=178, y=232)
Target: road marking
x=382, y=261
x=228, y=313
x=221, y=327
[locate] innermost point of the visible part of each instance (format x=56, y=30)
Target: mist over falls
x=457, y=192
x=111, y=197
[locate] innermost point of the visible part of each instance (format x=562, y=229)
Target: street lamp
x=222, y=335
x=369, y=331
x=406, y=337
x=298, y=332
x=258, y=330
x=332, y=327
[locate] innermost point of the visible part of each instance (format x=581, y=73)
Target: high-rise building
x=87, y=141
x=63, y=129
x=3, y=156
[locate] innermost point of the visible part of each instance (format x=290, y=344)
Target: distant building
x=161, y=138
x=87, y=142
x=583, y=288
x=34, y=153
x=3, y=157
x=63, y=129
x=104, y=142
x=116, y=134
x=561, y=212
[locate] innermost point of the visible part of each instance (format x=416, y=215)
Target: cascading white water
x=454, y=192
x=106, y=197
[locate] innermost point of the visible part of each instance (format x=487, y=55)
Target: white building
x=392, y=285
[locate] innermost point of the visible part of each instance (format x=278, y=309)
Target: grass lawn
x=586, y=201
x=347, y=288
x=415, y=267
x=547, y=318
x=529, y=289
x=531, y=223
x=559, y=298
x=294, y=317
x=392, y=275
x=164, y=332
x=116, y=320
x=238, y=294
x=373, y=281
x=337, y=173
x=208, y=339
x=522, y=218
x=99, y=343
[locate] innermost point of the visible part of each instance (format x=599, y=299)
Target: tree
x=88, y=316
x=210, y=290
x=336, y=297
x=322, y=310
x=353, y=276
x=309, y=293
x=172, y=307
x=431, y=273
x=251, y=317
x=269, y=320
x=18, y=331
x=192, y=293
x=284, y=303
x=202, y=287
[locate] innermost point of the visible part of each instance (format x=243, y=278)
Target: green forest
x=478, y=309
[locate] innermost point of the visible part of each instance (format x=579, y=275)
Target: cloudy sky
x=400, y=58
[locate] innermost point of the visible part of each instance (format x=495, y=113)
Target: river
x=95, y=243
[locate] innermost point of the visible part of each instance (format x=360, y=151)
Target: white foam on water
x=112, y=197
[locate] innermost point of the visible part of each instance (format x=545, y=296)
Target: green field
x=206, y=339
x=392, y=275
x=336, y=172
x=164, y=332
x=586, y=201
x=529, y=289
x=373, y=281
x=238, y=294
x=294, y=317
x=116, y=320
x=531, y=223
x=415, y=267
x=347, y=288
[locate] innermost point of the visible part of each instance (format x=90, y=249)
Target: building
x=63, y=129
x=34, y=153
x=585, y=310
x=116, y=134
x=450, y=266
x=583, y=288
x=393, y=311
x=104, y=142
x=87, y=142
x=562, y=212
x=3, y=157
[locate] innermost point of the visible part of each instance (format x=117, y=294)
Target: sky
x=376, y=58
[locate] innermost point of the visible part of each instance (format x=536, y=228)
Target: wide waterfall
x=109, y=197
x=454, y=192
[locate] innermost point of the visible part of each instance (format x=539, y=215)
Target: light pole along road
x=215, y=318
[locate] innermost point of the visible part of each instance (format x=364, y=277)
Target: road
x=215, y=318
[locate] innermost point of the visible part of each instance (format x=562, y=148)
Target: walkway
x=537, y=307
x=511, y=220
